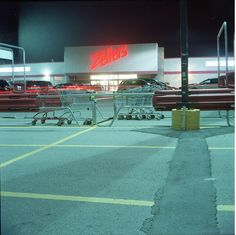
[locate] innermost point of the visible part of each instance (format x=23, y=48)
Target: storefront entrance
x=107, y=85
x=108, y=82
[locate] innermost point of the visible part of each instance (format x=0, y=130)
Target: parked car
x=4, y=85
x=138, y=85
x=78, y=87
x=165, y=86
x=143, y=85
x=32, y=86
x=206, y=84
x=66, y=86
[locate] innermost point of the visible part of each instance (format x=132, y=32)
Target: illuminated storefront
x=109, y=65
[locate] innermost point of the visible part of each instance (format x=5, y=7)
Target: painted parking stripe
x=221, y=148
x=42, y=127
x=29, y=154
x=76, y=126
x=100, y=127
x=77, y=198
x=89, y=146
x=224, y=208
x=105, y=146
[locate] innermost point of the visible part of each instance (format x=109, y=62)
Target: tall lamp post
x=184, y=52
x=185, y=118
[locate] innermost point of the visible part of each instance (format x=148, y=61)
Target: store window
x=110, y=82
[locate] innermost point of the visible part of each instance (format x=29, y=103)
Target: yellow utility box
x=188, y=119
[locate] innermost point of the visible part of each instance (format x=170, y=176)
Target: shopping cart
x=134, y=105
x=65, y=106
x=50, y=108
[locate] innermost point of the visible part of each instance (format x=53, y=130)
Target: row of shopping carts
x=83, y=108
x=80, y=107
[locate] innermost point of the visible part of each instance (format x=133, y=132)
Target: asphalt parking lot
x=135, y=177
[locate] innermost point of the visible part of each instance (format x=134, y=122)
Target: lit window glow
x=113, y=76
x=46, y=74
x=214, y=63
x=16, y=69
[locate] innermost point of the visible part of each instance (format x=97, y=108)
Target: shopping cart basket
x=134, y=105
x=52, y=108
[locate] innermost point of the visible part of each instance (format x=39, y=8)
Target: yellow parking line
x=207, y=127
x=134, y=127
x=89, y=146
x=221, y=148
x=77, y=198
x=105, y=146
x=118, y=146
x=14, y=127
x=23, y=156
x=225, y=208
x=41, y=127
x=23, y=145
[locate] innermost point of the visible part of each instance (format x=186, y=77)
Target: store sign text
x=107, y=56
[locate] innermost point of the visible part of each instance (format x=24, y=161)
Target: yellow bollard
x=192, y=119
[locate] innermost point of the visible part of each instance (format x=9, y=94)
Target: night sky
x=45, y=28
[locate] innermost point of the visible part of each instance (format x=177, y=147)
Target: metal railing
x=23, y=56
x=223, y=28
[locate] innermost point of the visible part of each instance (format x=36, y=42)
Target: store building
x=109, y=65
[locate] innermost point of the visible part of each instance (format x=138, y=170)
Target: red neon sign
x=107, y=56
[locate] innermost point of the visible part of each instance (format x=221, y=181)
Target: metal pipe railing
x=12, y=61
x=23, y=55
x=223, y=27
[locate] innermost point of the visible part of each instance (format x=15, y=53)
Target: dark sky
x=45, y=28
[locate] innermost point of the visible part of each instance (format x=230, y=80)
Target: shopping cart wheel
x=144, y=116
x=88, y=122
x=152, y=116
x=43, y=121
x=121, y=117
x=60, y=122
x=160, y=116
x=69, y=122
x=34, y=122
x=129, y=117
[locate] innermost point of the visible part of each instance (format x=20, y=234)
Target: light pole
x=184, y=52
